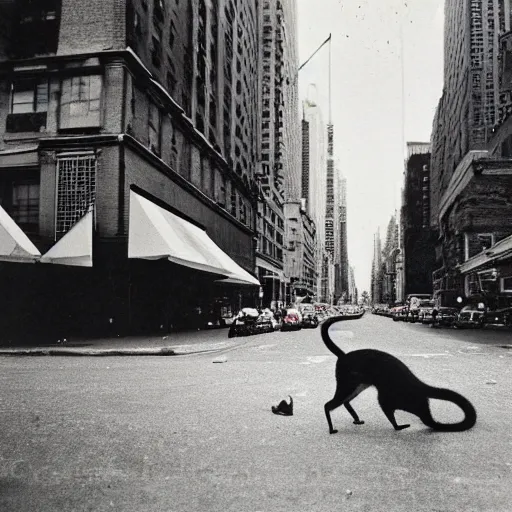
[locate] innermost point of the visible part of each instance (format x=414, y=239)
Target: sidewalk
x=173, y=344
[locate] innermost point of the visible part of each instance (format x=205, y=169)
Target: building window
x=488, y=281
x=154, y=127
x=28, y=107
x=243, y=212
x=475, y=243
x=80, y=102
x=76, y=190
x=25, y=205
x=29, y=96
x=234, y=201
x=506, y=284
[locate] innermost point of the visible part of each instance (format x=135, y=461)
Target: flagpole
x=315, y=52
x=330, y=104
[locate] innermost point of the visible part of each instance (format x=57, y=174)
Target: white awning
x=75, y=247
x=155, y=233
x=15, y=246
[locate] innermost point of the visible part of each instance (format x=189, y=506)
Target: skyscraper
x=330, y=202
x=467, y=110
x=417, y=241
x=279, y=171
x=376, y=277
x=314, y=187
x=341, y=252
x=314, y=182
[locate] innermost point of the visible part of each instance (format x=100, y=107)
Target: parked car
x=413, y=302
x=446, y=316
x=292, y=320
x=381, y=309
x=499, y=317
x=425, y=312
x=398, y=313
x=447, y=304
x=310, y=319
x=471, y=315
x=245, y=323
x=309, y=316
x=266, y=322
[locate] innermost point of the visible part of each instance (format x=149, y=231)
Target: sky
x=384, y=93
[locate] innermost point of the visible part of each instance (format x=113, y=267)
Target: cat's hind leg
x=389, y=411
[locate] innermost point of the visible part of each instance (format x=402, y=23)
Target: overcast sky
x=369, y=141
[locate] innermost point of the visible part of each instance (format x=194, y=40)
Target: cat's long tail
x=324, y=330
x=454, y=397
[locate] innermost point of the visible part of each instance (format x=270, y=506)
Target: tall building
x=352, y=295
x=376, y=275
x=281, y=139
x=279, y=170
x=330, y=202
x=314, y=180
x=300, y=257
x=341, y=252
x=129, y=124
x=418, y=239
x=470, y=172
x=388, y=270
x=467, y=111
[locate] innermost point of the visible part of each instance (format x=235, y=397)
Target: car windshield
x=427, y=303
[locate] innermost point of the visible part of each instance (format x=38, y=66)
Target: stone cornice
x=98, y=140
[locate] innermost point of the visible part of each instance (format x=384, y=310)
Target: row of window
x=75, y=193
x=79, y=101
x=80, y=107
x=269, y=248
x=487, y=281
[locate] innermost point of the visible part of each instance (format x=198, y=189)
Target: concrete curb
x=88, y=352
x=182, y=350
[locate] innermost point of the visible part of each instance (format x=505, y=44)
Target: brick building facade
x=418, y=239
x=470, y=163
x=125, y=103
x=300, y=254
x=278, y=172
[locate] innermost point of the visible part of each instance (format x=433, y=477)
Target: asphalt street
x=189, y=434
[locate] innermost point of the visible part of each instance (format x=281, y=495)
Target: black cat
x=397, y=386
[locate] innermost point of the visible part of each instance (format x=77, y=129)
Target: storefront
x=490, y=273
x=175, y=277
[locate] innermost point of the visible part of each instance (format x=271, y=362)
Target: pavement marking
x=426, y=356
x=469, y=351
x=344, y=334
x=318, y=359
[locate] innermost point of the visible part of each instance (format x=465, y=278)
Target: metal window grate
x=76, y=190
